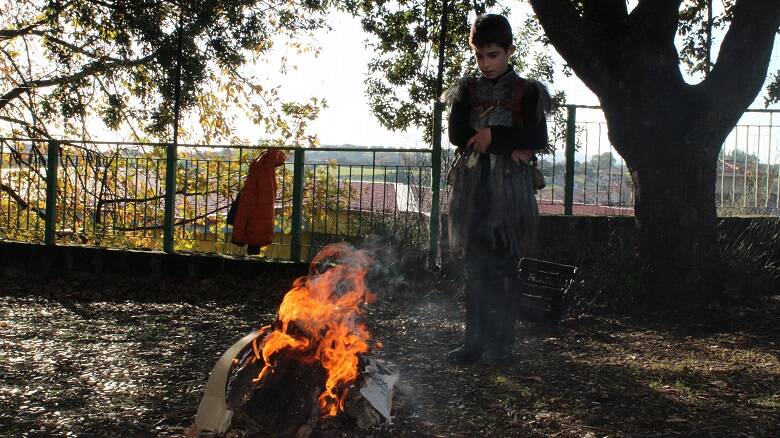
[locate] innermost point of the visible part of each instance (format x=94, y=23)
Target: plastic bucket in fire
x=541, y=288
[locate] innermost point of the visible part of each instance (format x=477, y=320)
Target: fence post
x=50, y=233
x=297, y=207
x=438, y=107
x=170, y=196
x=571, y=141
x=433, y=245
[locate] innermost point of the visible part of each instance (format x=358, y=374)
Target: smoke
x=414, y=316
x=395, y=268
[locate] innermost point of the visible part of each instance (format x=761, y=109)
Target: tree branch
x=656, y=19
x=21, y=202
x=605, y=11
x=91, y=69
x=181, y=222
x=125, y=116
x=15, y=66
x=17, y=156
x=582, y=43
x=743, y=60
x=7, y=34
x=561, y=21
x=27, y=125
x=75, y=48
x=153, y=198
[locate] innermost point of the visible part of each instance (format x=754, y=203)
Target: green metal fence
x=749, y=166
x=23, y=182
x=586, y=175
x=115, y=194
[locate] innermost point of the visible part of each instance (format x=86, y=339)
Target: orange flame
x=319, y=318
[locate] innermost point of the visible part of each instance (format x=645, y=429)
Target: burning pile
x=306, y=364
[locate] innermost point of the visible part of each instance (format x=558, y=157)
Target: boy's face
x=493, y=60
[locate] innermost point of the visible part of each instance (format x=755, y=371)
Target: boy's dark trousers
x=490, y=316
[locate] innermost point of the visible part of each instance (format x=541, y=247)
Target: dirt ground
x=128, y=358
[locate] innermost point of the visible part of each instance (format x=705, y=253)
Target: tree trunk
x=668, y=131
x=675, y=225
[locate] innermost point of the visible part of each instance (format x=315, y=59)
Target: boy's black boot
x=499, y=349
x=473, y=345
x=471, y=349
x=502, y=329
x=466, y=353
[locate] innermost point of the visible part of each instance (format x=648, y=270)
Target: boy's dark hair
x=491, y=29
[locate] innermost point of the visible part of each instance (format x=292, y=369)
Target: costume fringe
x=544, y=102
x=456, y=91
x=512, y=218
x=513, y=210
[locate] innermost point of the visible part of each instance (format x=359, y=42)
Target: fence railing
x=114, y=194
x=749, y=165
x=587, y=176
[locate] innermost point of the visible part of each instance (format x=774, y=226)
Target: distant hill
x=355, y=157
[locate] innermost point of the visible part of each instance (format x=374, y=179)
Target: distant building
x=746, y=184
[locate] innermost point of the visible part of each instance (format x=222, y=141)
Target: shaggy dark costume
x=492, y=211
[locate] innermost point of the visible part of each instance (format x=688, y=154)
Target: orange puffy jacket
x=254, y=221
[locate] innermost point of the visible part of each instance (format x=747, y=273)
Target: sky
x=337, y=75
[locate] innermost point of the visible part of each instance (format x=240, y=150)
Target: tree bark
x=669, y=132
x=675, y=227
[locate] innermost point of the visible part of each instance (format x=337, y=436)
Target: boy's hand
x=481, y=140
x=523, y=155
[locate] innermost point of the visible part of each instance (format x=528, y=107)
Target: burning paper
x=378, y=383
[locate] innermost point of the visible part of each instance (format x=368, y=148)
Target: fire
x=319, y=320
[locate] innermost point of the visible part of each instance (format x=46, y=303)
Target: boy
x=497, y=121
